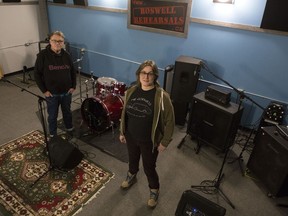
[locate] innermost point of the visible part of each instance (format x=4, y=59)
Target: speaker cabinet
x=184, y=84
x=63, y=155
x=180, y=111
x=185, y=78
x=275, y=15
x=269, y=161
x=193, y=204
x=212, y=123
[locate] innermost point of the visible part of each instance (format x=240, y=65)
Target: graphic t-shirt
x=140, y=111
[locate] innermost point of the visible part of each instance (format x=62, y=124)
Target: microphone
x=82, y=50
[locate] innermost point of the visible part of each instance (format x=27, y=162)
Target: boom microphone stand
x=42, y=119
x=242, y=96
x=215, y=184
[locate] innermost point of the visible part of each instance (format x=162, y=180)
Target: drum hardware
x=86, y=84
x=92, y=81
x=82, y=51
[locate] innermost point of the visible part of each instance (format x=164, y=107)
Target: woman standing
x=147, y=125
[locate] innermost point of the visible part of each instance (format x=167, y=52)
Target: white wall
x=19, y=24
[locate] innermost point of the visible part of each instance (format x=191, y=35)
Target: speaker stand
x=240, y=157
x=213, y=186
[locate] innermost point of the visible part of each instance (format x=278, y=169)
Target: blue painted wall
x=253, y=61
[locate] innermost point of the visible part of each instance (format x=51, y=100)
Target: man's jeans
x=53, y=103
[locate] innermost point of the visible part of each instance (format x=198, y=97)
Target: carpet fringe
x=94, y=196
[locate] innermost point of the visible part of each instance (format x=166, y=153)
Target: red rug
x=58, y=193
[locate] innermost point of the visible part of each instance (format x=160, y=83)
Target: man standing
x=56, y=78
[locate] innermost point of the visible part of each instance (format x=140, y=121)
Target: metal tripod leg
x=216, y=184
x=240, y=157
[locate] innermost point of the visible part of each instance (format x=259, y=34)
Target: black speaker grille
x=185, y=78
x=269, y=161
x=212, y=123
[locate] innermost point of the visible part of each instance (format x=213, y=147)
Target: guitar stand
x=213, y=186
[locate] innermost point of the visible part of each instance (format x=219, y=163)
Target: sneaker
x=130, y=180
x=153, y=200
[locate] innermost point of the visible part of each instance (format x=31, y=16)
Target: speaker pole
x=213, y=186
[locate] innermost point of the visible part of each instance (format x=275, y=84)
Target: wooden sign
x=168, y=17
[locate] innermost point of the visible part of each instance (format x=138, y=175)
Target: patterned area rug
x=22, y=162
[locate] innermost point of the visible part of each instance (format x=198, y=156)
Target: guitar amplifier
x=218, y=95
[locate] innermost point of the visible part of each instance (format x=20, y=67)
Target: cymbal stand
x=213, y=186
x=92, y=80
x=79, y=72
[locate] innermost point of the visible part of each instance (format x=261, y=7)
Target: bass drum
x=102, y=113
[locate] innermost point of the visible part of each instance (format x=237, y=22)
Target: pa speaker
x=193, y=204
x=180, y=111
x=63, y=155
x=269, y=161
x=185, y=78
x=212, y=123
x=275, y=15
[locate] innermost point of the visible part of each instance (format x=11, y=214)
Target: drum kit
x=103, y=110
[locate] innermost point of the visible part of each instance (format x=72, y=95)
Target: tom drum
x=105, y=85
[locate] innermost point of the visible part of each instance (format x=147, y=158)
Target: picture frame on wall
x=160, y=16
x=81, y=2
x=59, y=1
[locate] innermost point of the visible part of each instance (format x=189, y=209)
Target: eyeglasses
x=149, y=74
x=57, y=41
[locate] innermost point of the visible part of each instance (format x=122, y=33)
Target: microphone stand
x=210, y=184
x=242, y=96
x=42, y=119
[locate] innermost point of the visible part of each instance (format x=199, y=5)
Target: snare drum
x=100, y=114
x=120, y=88
x=105, y=85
